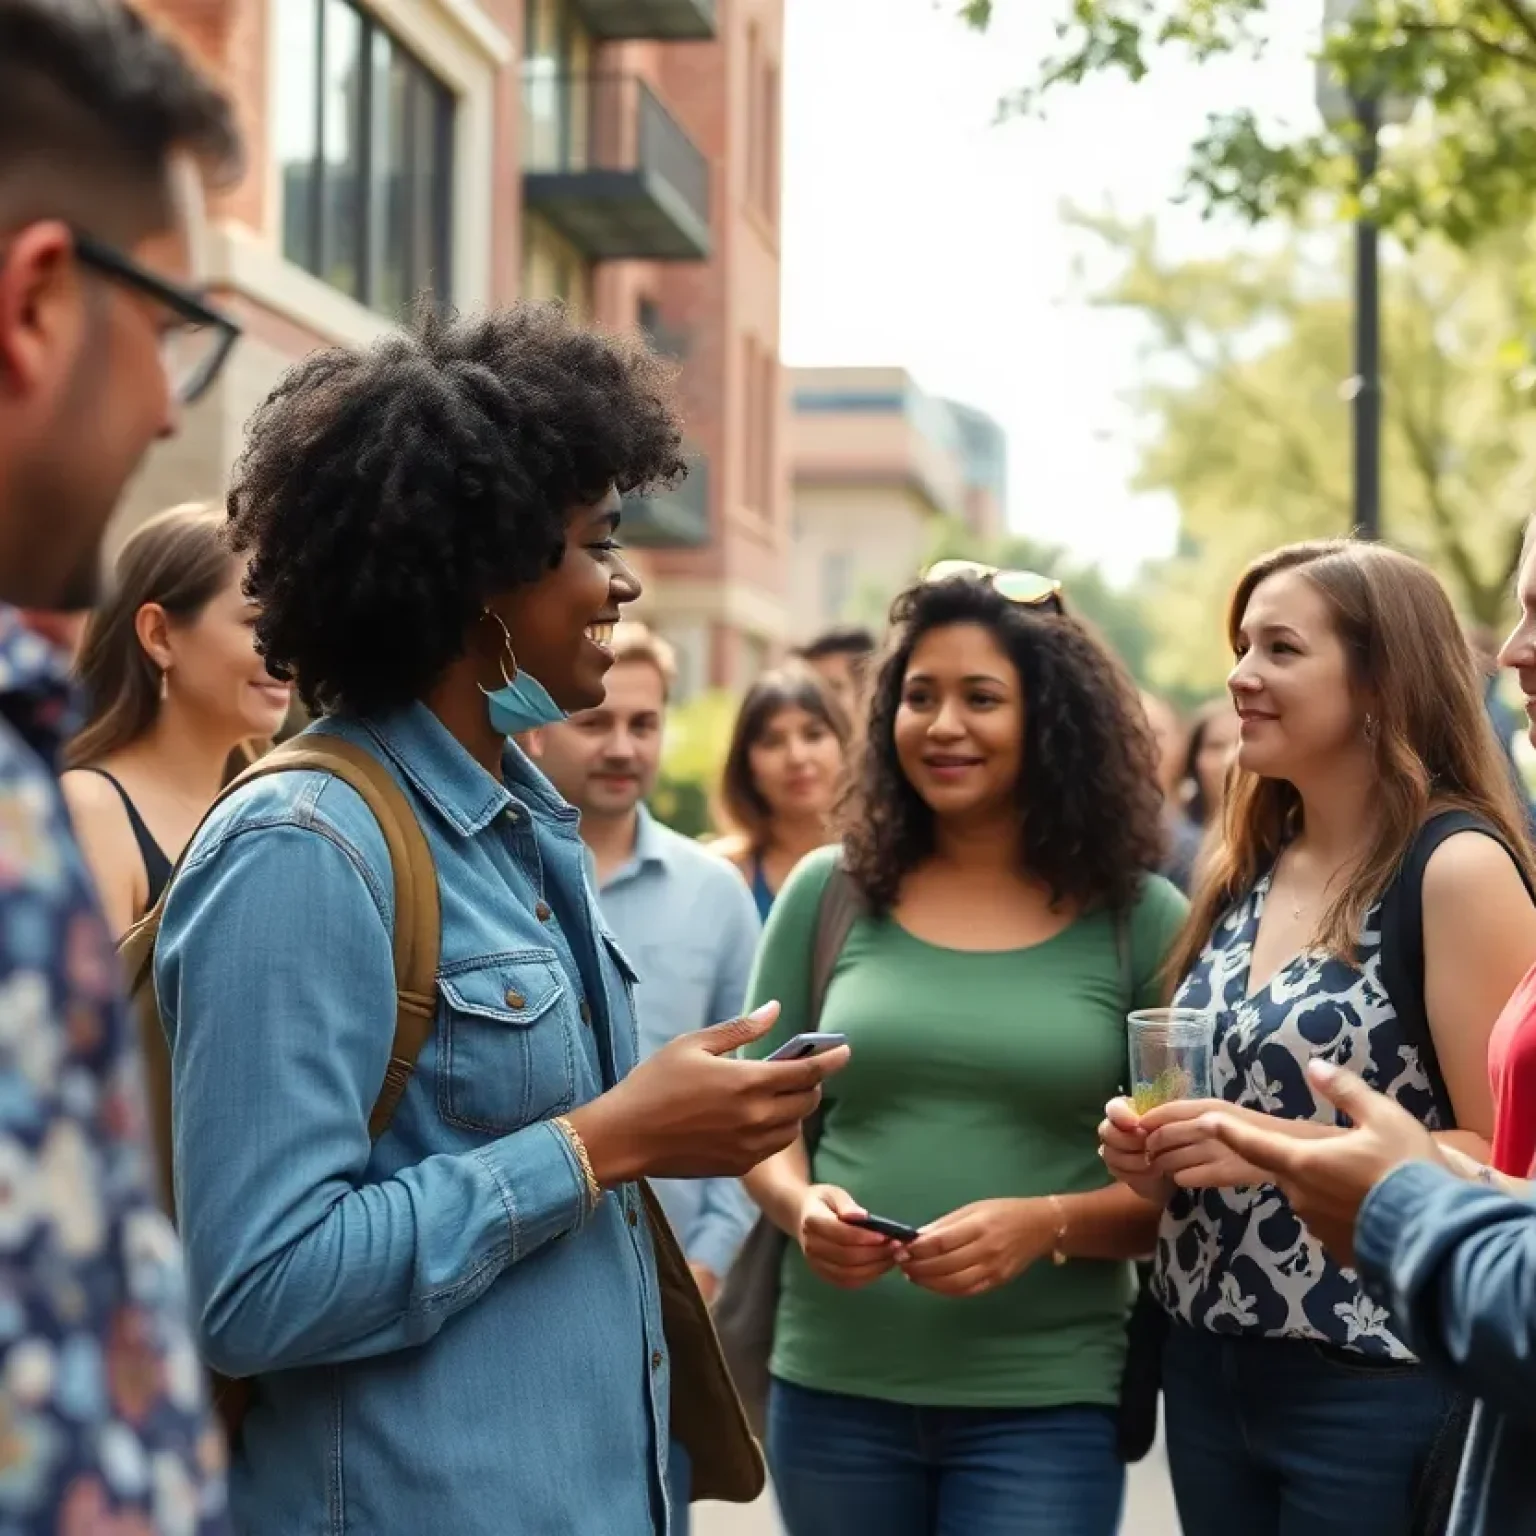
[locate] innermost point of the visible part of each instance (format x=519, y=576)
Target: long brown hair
x=740, y=805
x=180, y=560
x=1434, y=746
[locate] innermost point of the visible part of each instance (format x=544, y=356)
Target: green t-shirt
x=974, y=1076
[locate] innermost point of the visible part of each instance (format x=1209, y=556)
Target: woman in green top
x=1003, y=818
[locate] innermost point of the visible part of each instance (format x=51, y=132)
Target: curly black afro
x=1092, y=812
x=384, y=495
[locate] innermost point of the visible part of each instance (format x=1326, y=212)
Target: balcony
x=608, y=166
x=672, y=21
x=675, y=519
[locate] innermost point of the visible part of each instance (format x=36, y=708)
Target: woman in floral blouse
x=1291, y=1405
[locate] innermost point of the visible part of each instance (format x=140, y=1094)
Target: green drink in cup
x=1170, y=1056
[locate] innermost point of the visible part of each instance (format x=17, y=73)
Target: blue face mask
x=521, y=705
x=522, y=702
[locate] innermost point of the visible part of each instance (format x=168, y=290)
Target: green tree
x=698, y=737
x=1469, y=168
x=1118, y=615
x=1250, y=430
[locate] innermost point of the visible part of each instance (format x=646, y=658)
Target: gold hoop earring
x=508, y=654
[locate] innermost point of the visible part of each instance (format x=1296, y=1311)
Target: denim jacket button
x=634, y=1220
x=586, y=1011
x=542, y=912
x=516, y=1000
x=655, y=1359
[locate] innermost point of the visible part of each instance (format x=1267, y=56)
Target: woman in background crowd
x=175, y=693
x=1183, y=836
x=781, y=778
x=1208, y=754
x=998, y=836
x=1291, y=1402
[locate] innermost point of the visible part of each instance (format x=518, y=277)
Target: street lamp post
x=1367, y=380
x=1367, y=113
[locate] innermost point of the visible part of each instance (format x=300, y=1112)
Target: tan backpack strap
x=418, y=911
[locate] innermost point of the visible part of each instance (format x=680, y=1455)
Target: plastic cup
x=1170, y=1056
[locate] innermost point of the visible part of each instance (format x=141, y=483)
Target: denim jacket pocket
x=508, y=1042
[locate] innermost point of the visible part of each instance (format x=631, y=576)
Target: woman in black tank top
x=174, y=692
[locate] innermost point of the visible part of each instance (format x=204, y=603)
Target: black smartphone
x=898, y=1230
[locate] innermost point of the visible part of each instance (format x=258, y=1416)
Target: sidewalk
x=1148, y=1508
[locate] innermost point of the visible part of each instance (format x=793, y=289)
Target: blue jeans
x=679, y=1486
x=1280, y=1437
x=846, y=1464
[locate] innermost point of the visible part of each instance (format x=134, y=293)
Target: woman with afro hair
x=456, y=1327
x=999, y=830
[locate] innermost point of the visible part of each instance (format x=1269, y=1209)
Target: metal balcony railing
x=612, y=169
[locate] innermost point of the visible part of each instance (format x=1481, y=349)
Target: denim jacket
x=444, y=1336
x=1456, y=1263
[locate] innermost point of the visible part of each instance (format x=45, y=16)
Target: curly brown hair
x=1089, y=806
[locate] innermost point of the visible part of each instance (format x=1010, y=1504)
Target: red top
x=1512, y=1068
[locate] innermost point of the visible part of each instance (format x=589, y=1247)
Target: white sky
x=918, y=233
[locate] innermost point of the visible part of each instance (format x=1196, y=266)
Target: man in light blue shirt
x=683, y=915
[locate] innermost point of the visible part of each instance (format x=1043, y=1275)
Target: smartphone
x=885, y=1227
x=814, y=1044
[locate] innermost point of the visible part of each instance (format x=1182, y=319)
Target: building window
x=768, y=186
x=554, y=269
x=751, y=424
x=760, y=425
x=836, y=585
x=768, y=431
x=365, y=145
x=762, y=128
x=557, y=89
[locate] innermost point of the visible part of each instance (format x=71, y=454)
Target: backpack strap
x=418, y=914
x=1402, y=941
x=842, y=905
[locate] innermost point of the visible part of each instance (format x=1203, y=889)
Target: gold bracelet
x=583, y=1157
x=1058, y=1256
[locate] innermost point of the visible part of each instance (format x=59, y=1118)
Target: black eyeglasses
x=195, y=350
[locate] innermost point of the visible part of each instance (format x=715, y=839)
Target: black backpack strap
x=1402, y=941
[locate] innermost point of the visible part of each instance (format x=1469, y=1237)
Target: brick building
x=877, y=464
x=620, y=154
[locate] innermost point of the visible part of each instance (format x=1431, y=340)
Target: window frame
x=428, y=93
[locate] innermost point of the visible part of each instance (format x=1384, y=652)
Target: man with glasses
x=107, y=139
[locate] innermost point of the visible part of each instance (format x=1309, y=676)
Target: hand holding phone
x=897, y=1231
x=804, y=1046
x=839, y=1251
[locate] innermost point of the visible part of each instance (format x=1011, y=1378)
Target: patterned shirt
x=1239, y=1261
x=103, y=1421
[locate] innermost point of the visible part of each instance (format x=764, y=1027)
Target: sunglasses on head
x=1027, y=588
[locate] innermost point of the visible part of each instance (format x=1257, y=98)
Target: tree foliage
x=1466, y=168
x=1249, y=430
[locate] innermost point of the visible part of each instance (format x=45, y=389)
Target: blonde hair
x=634, y=641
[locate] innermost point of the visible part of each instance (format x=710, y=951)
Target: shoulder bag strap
x=1402, y=942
